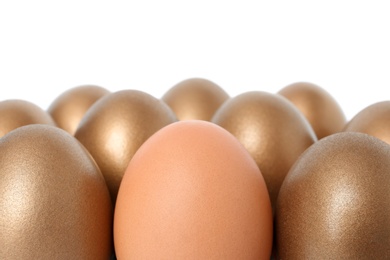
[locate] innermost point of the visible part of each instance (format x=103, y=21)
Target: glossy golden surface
x=115, y=127
x=273, y=131
x=54, y=203
x=335, y=201
x=373, y=120
x=195, y=98
x=15, y=113
x=318, y=106
x=68, y=109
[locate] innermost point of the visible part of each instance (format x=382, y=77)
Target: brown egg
x=68, y=109
x=273, y=131
x=373, y=120
x=192, y=191
x=195, y=98
x=15, y=113
x=335, y=201
x=318, y=106
x=54, y=203
x=115, y=127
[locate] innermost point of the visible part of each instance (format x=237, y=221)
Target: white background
x=47, y=47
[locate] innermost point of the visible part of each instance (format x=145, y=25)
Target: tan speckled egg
x=68, y=109
x=318, y=106
x=273, y=131
x=373, y=120
x=115, y=127
x=335, y=201
x=195, y=98
x=54, y=202
x=15, y=113
x=192, y=191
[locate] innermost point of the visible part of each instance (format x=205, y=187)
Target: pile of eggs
x=194, y=175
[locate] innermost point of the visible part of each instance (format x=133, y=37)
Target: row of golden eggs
x=194, y=175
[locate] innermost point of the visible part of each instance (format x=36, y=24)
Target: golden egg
x=54, y=202
x=318, y=106
x=195, y=98
x=15, y=113
x=115, y=127
x=68, y=108
x=273, y=131
x=373, y=120
x=334, y=202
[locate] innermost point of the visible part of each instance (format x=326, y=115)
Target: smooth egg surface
x=318, y=106
x=192, y=191
x=54, y=203
x=273, y=131
x=15, y=113
x=373, y=120
x=195, y=98
x=115, y=127
x=68, y=109
x=335, y=201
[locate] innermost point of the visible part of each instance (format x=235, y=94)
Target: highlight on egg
x=273, y=131
x=69, y=107
x=192, y=191
x=54, y=203
x=195, y=98
x=334, y=202
x=317, y=105
x=116, y=125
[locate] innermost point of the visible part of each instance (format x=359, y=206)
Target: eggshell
x=335, y=201
x=68, y=109
x=373, y=120
x=54, y=203
x=15, y=113
x=195, y=98
x=192, y=191
x=273, y=131
x=115, y=127
x=318, y=106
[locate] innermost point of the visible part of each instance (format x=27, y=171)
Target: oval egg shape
x=54, y=203
x=68, y=109
x=195, y=98
x=15, y=113
x=273, y=131
x=115, y=127
x=318, y=106
x=335, y=201
x=373, y=120
x=192, y=191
